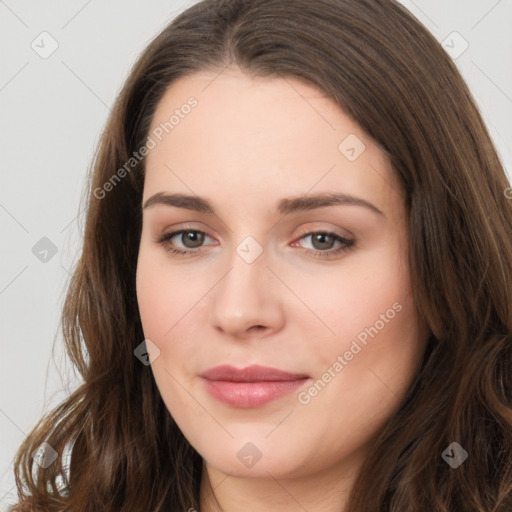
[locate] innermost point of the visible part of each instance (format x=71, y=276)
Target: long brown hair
x=119, y=448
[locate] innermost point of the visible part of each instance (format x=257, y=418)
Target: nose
x=246, y=303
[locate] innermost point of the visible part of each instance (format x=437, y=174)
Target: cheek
x=365, y=369
x=369, y=311
x=170, y=300
x=374, y=355
x=164, y=296
x=344, y=300
x=153, y=299
x=164, y=299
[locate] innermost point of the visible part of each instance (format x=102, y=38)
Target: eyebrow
x=284, y=207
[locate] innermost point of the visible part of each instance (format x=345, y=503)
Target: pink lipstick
x=252, y=386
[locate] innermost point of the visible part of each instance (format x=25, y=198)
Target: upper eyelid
x=321, y=228
x=171, y=234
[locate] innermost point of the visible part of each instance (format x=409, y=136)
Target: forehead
x=260, y=137
x=243, y=111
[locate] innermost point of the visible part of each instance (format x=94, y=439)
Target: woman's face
x=252, y=169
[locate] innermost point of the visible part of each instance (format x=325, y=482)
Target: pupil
x=193, y=236
x=321, y=238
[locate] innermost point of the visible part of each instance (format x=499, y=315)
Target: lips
x=253, y=373
x=249, y=387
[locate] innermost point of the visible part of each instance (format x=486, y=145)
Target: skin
x=247, y=144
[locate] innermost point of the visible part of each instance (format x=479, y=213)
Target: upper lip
x=254, y=373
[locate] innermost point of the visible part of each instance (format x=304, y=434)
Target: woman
x=295, y=285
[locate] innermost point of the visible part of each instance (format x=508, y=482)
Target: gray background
x=53, y=110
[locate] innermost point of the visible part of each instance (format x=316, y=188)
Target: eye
x=192, y=239
x=323, y=242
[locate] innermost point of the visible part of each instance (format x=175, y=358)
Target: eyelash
x=346, y=243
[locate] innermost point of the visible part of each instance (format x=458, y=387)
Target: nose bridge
x=245, y=298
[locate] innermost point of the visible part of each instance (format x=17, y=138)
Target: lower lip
x=247, y=395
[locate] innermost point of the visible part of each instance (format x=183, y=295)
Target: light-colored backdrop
x=63, y=62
